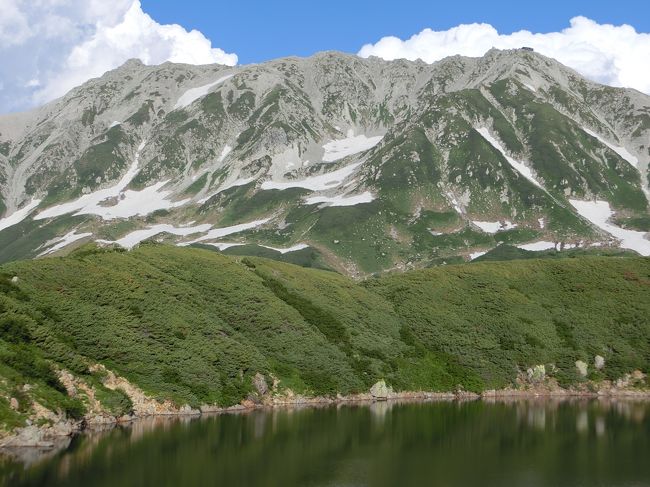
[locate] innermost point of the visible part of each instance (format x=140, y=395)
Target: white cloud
x=55, y=45
x=613, y=55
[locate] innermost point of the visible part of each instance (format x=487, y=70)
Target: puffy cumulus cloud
x=52, y=46
x=613, y=55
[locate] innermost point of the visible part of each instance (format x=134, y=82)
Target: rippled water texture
x=531, y=443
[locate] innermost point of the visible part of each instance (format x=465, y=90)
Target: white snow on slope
x=128, y=203
x=285, y=250
x=224, y=153
x=224, y=245
x=338, y=149
x=222, y=232
x=114, y=124
x=19, y=215
x=64, y=241
x=520, y=167
x=341, y=200
x=315, y=183
x=92, y=199
x=134, y=238
x=494, y=227
x=538, y=246
x=599, y=212
x=191, y=95
x=476, y=255
x=236, y=182
x=621, y=151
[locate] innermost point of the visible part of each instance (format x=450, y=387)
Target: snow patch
x=530, y=87
x=338, y=149
x=114, y=124
x=224, y=245
x=599, y=212
x=538, y=246
x=621, y=151
x=134, y=238
x=494, y=227
x=19, y=215
x=520, y=167
x=341, y=200
x=285, y=250
x=130, y=203
x=222, y=232
x=191, y=95
x=320, y=182
x=224, y=153
x=64, y=241
x=476, y=255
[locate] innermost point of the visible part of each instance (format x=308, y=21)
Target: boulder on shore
x=380, y=391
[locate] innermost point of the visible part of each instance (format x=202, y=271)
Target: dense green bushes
x=194, y=326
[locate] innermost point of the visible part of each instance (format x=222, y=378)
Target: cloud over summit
x=55, y=45
x=612, y=55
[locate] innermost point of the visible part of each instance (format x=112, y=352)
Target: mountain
x=359, y=165
x=110, y=330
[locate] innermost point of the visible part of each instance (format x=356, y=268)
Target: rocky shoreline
x=58, y=432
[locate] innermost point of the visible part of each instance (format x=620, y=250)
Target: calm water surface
x=527, y=443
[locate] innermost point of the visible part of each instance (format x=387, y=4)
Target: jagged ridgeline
x=194, y=327
x=360, y=165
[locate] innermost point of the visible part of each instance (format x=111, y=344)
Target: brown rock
x=248, y=404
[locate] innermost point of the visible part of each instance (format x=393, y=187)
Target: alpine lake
x=523, y=442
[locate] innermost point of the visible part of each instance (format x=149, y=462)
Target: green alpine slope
x=195, y=326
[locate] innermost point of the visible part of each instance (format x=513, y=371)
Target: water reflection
x=517, y=442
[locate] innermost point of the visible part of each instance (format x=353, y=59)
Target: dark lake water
x=528, y=443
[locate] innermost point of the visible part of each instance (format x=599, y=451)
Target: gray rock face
x=599, y=362
x=380, y=390
x=260, y=384
x=398, y=150
x=582, y=368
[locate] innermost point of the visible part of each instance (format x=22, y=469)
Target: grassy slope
x=194, y=325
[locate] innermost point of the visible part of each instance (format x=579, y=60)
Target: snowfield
x=338, y=149
x=134, y=238
x=19, y=215
x=224, y=245
x=476, y=255
x=341, y=200
x=285, y=250
x=621, y=151
x=64, y=241
x=216, y=233
x=520, y=167
x=599, y=212
x=127, y=204
x=538, y=246
x=494, y=227
x=191, y=95
x=224, y=153
x=320, y=182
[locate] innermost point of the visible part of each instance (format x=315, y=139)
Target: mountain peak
x=361, y=165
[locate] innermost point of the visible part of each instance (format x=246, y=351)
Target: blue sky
x=260, y=30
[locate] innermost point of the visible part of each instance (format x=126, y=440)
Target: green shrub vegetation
x=194, y=326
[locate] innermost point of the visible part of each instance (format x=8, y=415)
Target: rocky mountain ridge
x=362, y=165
